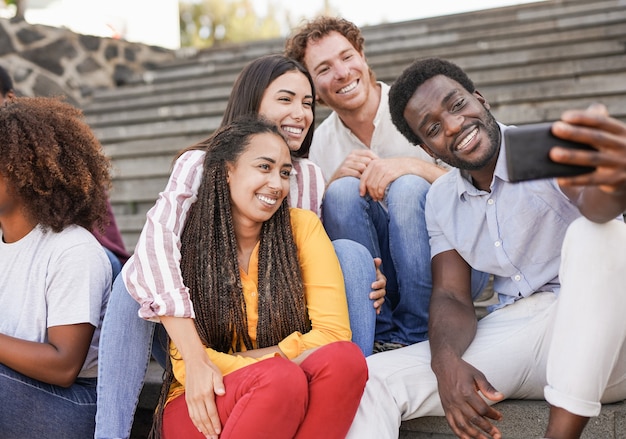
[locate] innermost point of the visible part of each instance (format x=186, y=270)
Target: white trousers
x=569, y=350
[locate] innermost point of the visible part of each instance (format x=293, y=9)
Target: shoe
x=382, y=346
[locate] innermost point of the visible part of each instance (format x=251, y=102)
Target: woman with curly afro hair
x=56, y=277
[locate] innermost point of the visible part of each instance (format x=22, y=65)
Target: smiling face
x=259, y=180
x=288, y=102
x=340, y=73
x=454, y=124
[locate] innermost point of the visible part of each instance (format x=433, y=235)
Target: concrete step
x=521, y=419
x=524, y=420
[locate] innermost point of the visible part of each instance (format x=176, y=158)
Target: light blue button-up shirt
x=514, y=232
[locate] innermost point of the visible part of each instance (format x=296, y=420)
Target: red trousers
x=277, y=398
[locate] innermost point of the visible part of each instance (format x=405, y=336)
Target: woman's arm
x=306, y=186
x=152, y=275
x=55, y=349
x=56, y=362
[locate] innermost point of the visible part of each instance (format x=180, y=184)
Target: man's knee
x=606, y=240
x=342, y=190
x=407, y=188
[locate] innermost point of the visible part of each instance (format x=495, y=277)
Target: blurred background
x=174, y=24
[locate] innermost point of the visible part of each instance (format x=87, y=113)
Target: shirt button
x=517, y=277
x=490, y=201
x=497, y=243
x=253, y=293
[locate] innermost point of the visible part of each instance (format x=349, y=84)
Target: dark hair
x=249, y=87
x=405, y=86
x=53, y=163
x=6, y=83
x=210, y=267
x=314, y=30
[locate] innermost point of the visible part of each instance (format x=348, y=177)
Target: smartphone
x=527, y=148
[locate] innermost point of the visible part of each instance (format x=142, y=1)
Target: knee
x=352, y=254
x=286, y=381
x=409, y=185
x=408, y=189
x=407, y=193
x=582, y=228
x=344, y=361
x=341, y=191
x=604, y=241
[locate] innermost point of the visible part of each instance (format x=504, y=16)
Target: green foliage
x=205, y=23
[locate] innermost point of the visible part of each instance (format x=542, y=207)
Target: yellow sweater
x=324, y=292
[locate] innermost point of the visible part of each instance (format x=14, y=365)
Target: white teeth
x=467, y=139
x=293, y=130
x=348, y=88
x=267, y=200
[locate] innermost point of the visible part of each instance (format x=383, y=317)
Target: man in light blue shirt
x=516, y=230
x=557, y=256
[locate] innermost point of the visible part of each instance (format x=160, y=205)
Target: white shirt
x=53, y=279
x=333, y=141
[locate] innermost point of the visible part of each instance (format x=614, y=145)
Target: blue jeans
x=127, y=341
x=116, y=265
x=32, y=409
x=397, y=234
x=359, y=272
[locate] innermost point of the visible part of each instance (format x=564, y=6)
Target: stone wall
x=49, y=61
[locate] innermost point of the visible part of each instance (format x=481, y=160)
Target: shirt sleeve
x=152, y=275
x=438, y=241
x=307, y=186
x=76, y=296
x=323, y=286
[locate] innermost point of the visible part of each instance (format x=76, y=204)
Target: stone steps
x=522, y=419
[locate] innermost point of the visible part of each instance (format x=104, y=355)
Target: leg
x=347, y=215
x=267, y=399
x=587, y=357
x=358, y=273
x=402, y=386
x=124, y=354
x=337, y=374
x=410, y=252
x=30, y=408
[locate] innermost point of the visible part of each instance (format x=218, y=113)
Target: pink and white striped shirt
x=152, y=274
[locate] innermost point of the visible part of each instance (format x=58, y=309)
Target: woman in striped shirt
x=281, y=90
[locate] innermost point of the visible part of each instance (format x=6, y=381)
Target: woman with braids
x=55, y=277
x=282, y=91
x=269, y=298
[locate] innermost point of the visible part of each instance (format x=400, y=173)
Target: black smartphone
x=527, y=148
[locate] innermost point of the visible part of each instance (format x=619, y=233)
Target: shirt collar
x=464, y=184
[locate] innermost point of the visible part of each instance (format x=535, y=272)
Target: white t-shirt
x=333, y=141
x=52, y=279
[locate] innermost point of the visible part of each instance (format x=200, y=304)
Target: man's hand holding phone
x=586, y=147
x=528, y=156
x=607, y=135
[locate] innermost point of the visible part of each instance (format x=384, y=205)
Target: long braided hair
x=210, y=267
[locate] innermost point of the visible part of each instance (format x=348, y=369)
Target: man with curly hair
x=56, y=277
x=377, y=180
